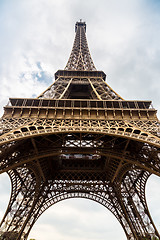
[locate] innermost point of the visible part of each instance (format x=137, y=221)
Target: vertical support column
x=25, y=186
x=133, y=200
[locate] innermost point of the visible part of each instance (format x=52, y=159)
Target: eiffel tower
x=79, y=139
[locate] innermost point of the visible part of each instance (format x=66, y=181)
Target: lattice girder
x=55, y=191
x=57, y=89
x=146, y=158
x=63, y=86
x=49, y=126
x=80, y=58
x=134, y=202
x=101, y=192
x=85, y=145
x=25, y=184
x=104, y=193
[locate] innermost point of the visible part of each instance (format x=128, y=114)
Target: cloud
x=153, y=198
x=5, y=190
x=71, y=219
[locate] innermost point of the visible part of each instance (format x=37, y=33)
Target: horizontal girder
x=35, y=127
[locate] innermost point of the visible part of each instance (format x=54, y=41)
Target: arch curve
x=99, y=192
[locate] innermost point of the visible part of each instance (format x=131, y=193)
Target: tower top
x=80, y=58
x=80, y=24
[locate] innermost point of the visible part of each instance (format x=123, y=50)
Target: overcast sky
x=124, y=41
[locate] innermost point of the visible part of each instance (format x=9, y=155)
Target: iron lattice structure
x=79, y=138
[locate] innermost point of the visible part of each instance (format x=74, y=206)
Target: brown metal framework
x=79, y=138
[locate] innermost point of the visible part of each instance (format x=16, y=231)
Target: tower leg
x=25, y=189
x=135, y=207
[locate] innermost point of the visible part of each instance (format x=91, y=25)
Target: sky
x=36, y=41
